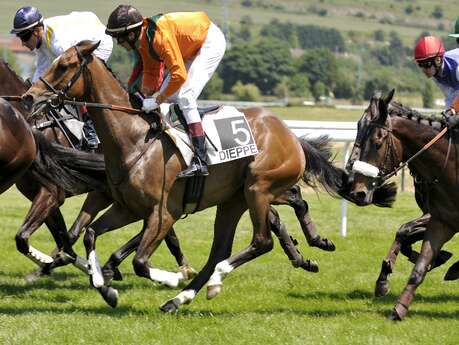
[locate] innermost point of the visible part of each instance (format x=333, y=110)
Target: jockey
x=430, y=55
x=50, y=37
x=190, y=47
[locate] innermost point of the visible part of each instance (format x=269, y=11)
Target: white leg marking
x=186, y=296
x=170, y=279
x=38, y=257
x=95, y=270
x=221, y=271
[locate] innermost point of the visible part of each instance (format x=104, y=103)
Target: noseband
x=380, y=175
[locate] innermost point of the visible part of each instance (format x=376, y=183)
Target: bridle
x=380, y=175
x=391, y=158
x=60, y=98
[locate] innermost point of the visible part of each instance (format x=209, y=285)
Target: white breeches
x=200, y=70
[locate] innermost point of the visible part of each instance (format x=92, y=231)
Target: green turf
x=266, y=301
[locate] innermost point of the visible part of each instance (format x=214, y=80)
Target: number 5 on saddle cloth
x=228, y=137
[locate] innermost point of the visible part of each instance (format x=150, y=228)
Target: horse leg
x=294, y=199
x=226, y=219
x=173, y=244
x=156, y=228
x=288, y=244
x=436, y=235
x=405, y=234
x=115, y=217
x=110, y=269
x=258, y=203
x=93, y=204
x=43, y=205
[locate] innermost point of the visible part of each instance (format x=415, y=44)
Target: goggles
x=25, y=35
x=426, y=63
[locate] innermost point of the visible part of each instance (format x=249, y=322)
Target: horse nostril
x=27, y=102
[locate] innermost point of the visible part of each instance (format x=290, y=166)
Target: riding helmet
x=26, y=18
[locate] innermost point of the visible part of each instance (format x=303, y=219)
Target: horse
x=17, y=146
x=97, y=201
x=19, y=153
x=388, y=135
x=142, y=166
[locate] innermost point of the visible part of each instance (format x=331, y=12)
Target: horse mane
x=113, y=74
x=398, y=109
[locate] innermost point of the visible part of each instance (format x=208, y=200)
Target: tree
x=437, y=12
x=248, y=92
x=428, y=95
x=213, y=89
x=299, y=85
x=319, y=89
x=319, y=65
x=263, y=64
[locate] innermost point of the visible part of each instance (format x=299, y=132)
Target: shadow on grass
x=367, y=295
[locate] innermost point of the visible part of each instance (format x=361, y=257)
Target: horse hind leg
x=288, y=244
x=294, y=199
x=437, y=234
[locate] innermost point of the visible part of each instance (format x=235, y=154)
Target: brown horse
x=389, y=134
x=142, y=168
x=97, y=201
x=17, y=146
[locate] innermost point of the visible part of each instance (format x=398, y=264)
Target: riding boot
x=198, y=165
x=90, y=135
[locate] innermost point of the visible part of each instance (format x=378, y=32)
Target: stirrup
x=196, y=168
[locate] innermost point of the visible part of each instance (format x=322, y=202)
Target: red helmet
x=428, y=47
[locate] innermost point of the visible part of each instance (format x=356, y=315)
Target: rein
x=424, y=148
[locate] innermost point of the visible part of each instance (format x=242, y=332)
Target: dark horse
x=17, y=146
x=142, y=167
x=389, y=134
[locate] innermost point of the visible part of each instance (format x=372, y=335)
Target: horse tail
x=76, y=172
x=334, y=179
x=319, y=165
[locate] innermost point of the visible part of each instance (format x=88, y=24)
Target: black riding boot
x=92, y=141
x=198, y=165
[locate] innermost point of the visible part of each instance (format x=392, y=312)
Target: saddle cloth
x=228, y=134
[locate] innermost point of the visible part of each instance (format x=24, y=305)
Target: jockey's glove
x=149, y=104
x=451, y=118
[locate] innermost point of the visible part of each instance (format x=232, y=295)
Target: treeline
x=285, y=60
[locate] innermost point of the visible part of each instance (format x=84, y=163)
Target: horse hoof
x=188, y=272
x=117, y=274
x=398, y=313
x=310, y=266
x=213, y=291
x=110, y=295
x=328, y=245
x=441, y=258
x=382, y=288
x=171, y=306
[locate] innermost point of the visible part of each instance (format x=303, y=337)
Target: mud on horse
x=389, y=134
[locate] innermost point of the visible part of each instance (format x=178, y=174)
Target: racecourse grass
x=266, y=301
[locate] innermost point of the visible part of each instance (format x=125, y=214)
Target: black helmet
x=26, y=18
x=122, y=20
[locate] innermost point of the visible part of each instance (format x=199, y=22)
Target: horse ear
x=87, y=47
x=389, y=97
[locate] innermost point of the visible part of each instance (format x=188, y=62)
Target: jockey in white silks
x=50, y=37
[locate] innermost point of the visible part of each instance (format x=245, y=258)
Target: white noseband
x=365, y=169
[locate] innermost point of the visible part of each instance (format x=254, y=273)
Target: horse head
x=375, y=153
x=64, y=79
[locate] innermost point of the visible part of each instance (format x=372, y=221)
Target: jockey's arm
x=170, y=53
